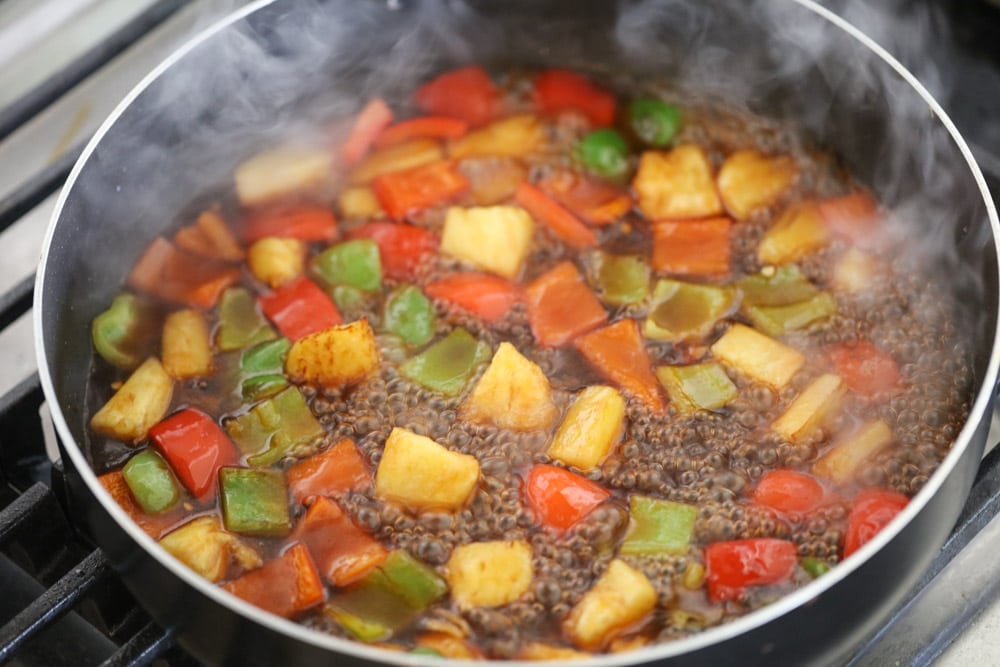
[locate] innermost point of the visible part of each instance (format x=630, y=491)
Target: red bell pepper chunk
x=403, y=192
x=487, y=297
x=343, y=552
x=732, y=566
x=553, y=215
x=692, y=247
x=789, y=491
x=592, y=200
x=425, y=127
x=467, y=93
x=154, y=525
x=195, y=447
x=854, y=216
x=866, y=369
x=558, y=90
x=285, y=586
x=873, y=509
x=307, y=222
x=299, y=308
x=618, y=353
x=171, y=274
x=559, y=498
x=333, y=472
x=402, y=248
x=561, y=306
x=369, y=123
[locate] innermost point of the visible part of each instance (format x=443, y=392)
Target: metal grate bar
x=35, y=190
x=16, y=301
x=22, y=509
x=148, y=645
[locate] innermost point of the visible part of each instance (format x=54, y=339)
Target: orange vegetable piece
x=403, y=192
x=343, y=552
x=425, y=127
x=561, y=306
x=558, y=90
x=692, y=248
x=369, y=123
x=330, y=473
x=284, y=586
x=485, y=296
x=467, y=93
x=789, y=491
x=402, y=248
x=564, y=224
x=155, y=525
x=559, y=498
x=617, y=352
x=854, y=216
x=593, y=200
x=865, y=369
x=307, y=222
x=209, y=236
x=873, y=509
x=171, y=274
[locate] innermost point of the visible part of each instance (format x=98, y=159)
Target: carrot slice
x=561, y=306
x=425, y=127
x=343, y=552
x=330, y=473
x=209, y=236
x=171, y=274
x=550, y=213
x=403, y=192
x=307, y=222
x=617, y=352
x=593, y=200
x=285, y=586
x=369, y=123
x=692, y=247
x=485, y=296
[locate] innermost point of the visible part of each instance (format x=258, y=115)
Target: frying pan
x=275, y=68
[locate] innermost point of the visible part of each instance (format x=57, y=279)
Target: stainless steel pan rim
x=666, y=650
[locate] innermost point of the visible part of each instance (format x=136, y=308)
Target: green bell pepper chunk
x=697, y=387
x=621, y=279
x=410, y=315
x=604, y=152
x=681, y=311
x=654, y=121
x=123, y=334
x=151, y=482
x=779, y=320
x=254, y=502
x=355, y=263
x=415, y=583
x=364, y=630
x=426, y=650
x=447, y=365
x=785, y=285
x=814, y=566
x=240, y=324
x=658, y=526
x=347, y=297
x=275, y=428
x=262, y=368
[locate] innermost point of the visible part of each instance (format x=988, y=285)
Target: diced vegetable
x=696, y=387
x=240, y=324
x=493, y=238
x=692, y=247
x=854, y=271
x=332, y=473
x=401, y=193
x=489, y=574
x=396, y=158
x=561, y=306
x=618, y=353
x=854, y=216
x=299, y=308
x=842, y=461
x=285, y=586
x=196, y=449
x=750, y=181
x=621, y=599
x=866, y=369
x=780, y=286
x=447, y=365
x=275, y=261
x=409, y=314
x=306, y=222
x=814, y=566
x=137, y=405
x=447, y=646
x=590, y=429
x=798, y=232
x=343, y=553
x=173, y=275
x=419, y=473
x=402, y=248
x=359, y=202
x=686, y=311
x=658, y=527
x=262, y=368
x=733, y=566
x=621, y=279
x=254, y=502
x=368, y=125
x=280, y=172
x=467, y=93
x=515, y=136
x=423, y=127
x=676, y=184
x=819, y=401
x=487, y=297
x=654, y=121
x=492, y=180
x=559, y=498
x=355, y=263
x=334, y=357
x=275, y=428
x=694, y=576
x=559, y=90
x=209, y=236
x=153, y=525
x=872, y=511
x=187, y=350
x=604, y=152
x=593, y=200
x=513, y=393
x=152, y=484
x=754, y=354
x=550, y=213
x=779, y=320
x=124, y=333
x=206, y=548
x=789, y=491
x=543, y=651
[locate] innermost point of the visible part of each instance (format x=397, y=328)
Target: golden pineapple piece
x=513, y=393
x=138, y=405
x=207, y=548
x=335, y=357
x=187, y=346
x=590, y=429
x=854, y=271
x=359, y=202
x=799, y=231
x=811, y=408
x=620, y=599
x=489, y=574
x=543, y=651
x=749, y=181
x=511, y=137
x=421, y=474
x=758, y=356
x=275, y=261
x=448, y=646
x=396, y=158
x=493, y=238
x=281, y=172
x=843, y=460
x=676, y=185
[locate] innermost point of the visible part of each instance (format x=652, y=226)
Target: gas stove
x=65, y=64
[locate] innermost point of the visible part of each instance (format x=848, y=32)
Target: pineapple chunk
x=275, y=261
x=205, y=547
x=592, y=425
x=511, y=137
x=359, y=202
x=489, y=574
x=494, y=238
x=513, y=393
x=335, y=357
x=810, y=408
x=845, y=457
x=281, y=172
x=676, y=185
x=421, y=474
x=543, y=651
x=854, y=271
x=758, y=356
x=138, y=405
x=187, y=347
x=620, y=599
x=449, y=646
x=396, y=158
x=749, y=181
x=798, y=232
